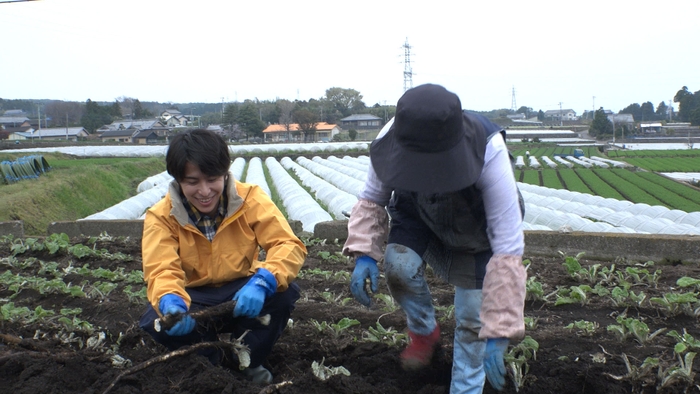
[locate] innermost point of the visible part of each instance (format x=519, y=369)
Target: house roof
x=119, y=133
x=145, y=134
x=13, y=119
x=558, y=111
x=621, y=118
x=59, y=132
x=132, y=124
x=172, y=112
x=279, y=128
x=14, y=112
x=18, y=129
x=356, y=117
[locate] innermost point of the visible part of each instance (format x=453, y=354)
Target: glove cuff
x=266, y=280
x=171, y=299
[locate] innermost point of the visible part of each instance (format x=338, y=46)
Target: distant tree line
x=248, y=118
x=688, y=106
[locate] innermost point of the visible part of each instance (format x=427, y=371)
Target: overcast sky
x=578, y=54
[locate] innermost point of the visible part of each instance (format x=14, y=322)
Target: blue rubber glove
x=171, y=304
x=494, y=366
x=365, y=267
x=251, y=297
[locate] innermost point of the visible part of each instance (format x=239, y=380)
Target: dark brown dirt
x=43, y=357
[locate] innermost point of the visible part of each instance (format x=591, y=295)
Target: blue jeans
x=405, y=275
x=260, y=339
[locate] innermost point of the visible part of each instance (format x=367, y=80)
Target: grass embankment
x=73, y=189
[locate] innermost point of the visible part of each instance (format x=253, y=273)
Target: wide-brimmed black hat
x=432, y=147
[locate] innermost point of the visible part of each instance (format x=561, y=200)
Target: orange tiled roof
x=279, y=128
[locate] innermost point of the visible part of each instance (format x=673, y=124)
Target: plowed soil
x=42, y=353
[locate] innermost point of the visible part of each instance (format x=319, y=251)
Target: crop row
x=550, y=151
x=620, y=184
x=666, y=164
x=654, y=153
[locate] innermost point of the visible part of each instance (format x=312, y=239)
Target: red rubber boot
x=420, y=351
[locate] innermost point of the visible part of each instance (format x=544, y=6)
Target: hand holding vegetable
x=365, y=267
x=174, y=305
x=251, y=297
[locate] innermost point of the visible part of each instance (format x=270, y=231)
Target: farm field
x=639, y=187
x=70, y=310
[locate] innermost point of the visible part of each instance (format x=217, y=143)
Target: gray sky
x=551, y=52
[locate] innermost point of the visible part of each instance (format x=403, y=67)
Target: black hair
x=204, y=148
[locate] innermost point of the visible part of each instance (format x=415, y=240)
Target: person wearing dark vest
x=444, y=178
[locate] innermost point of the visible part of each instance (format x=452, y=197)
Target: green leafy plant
x=100, y=290
x=447, y=312
x=638, y=298
x=103, y=273
x=136, y=297
x=687, y=281
x=390, y=304
x=40, y=314
x=80, y=251
x=323, y=372
x=320, y=326
x=682, y=373
x=517, y=360
x=330, y=297
x=685, y=342
x=642, y=275
x=57, y=242
x=619, y=296
x=531, y=323
x=673, y=304
x=577, y=271
x=335, y=257
x=583, y=327
x=325, y=274
x=48, y=268
x=637, y=375
x=629, y=326
x=388, y=336
x=534, y=290
x=11, y=313
x=342, y=325
x=607, y=275
x=135, y=276
x=72, y=322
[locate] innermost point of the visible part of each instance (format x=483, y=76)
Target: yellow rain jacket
x=177, y=255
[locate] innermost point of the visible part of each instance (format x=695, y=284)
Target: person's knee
x=402, y=263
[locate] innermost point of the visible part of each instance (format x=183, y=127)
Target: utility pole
x=593, y=116
x=513, y=107
x=66, y=127
x=561, y=117
x=39, y=128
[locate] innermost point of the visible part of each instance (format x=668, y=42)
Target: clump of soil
x=44, y=353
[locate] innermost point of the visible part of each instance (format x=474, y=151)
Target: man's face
x=200, y=190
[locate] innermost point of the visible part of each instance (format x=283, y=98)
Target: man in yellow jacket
x=200, y=248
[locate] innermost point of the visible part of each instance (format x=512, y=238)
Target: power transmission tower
x=513, y=107
x=407, y=70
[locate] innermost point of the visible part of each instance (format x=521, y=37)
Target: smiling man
x=201, y=244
